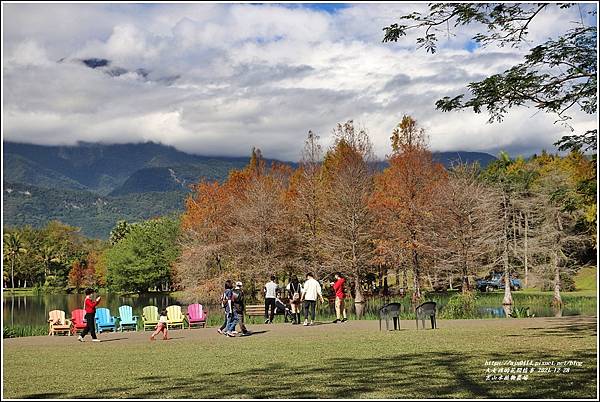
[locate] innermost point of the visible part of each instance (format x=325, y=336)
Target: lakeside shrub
x=521, y=312
x=460, y=305
x=17, y=331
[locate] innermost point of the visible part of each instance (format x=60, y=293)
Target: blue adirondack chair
x=105, y=321
x=126, y=318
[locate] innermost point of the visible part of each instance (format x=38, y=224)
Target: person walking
x=340, y=308
x=311, y=290
x=90, y=316
x=225, y=297
x=161, y=326
x=294, y=289
x=240, y=306
x=230, y=311
x=270, y=291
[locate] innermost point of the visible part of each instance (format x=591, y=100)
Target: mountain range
x=92, y=185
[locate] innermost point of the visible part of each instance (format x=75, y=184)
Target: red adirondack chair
x=77, y=318
x=196, y=315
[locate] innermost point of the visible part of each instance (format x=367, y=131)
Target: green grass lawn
x=351, y=360
x=585, y=280
x=20, y=291
x=585, y=284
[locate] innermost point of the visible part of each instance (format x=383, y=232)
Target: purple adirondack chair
x=196, y=315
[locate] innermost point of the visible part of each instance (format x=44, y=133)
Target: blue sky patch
x=471, y=46
x=327, y=7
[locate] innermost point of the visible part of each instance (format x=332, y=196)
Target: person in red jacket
x=340, y=308
x=90, y=316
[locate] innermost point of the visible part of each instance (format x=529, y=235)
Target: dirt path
x=288, y=330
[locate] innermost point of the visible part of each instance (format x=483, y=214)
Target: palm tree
x=47, y=255
x=13, y=247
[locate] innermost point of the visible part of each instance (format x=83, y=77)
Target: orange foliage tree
x=305, y=198
x=83, y=272
x=236, y=230
x=406, y=200
x=347, y=218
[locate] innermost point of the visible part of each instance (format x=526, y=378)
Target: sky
x=219, y=79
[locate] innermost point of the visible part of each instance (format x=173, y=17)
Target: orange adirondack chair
x=77, y=318
x=58, y=323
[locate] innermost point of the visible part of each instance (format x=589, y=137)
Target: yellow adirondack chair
x=175, y=317
x=150, y=317
x=58, y=323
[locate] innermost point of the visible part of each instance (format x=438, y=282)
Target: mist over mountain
x=94, y=185
x=102, y=168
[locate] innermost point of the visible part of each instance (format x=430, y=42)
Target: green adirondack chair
x=150, y=317
x=175, y=316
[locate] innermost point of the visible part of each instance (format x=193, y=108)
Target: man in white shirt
x=311, y=290
x=270, y=291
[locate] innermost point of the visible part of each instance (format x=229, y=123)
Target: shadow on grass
x=45, y=395
x=582, y=328
x=409, y=375
x=318, y=323
x=257, y=333
x=112, y=340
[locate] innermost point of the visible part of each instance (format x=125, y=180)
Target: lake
x=33, y=310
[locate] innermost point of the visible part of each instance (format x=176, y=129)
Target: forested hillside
x=95, y=215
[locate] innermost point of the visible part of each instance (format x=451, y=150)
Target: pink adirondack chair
x=77, y=318
x=196, y=315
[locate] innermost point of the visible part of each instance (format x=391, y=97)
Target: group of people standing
x=301, y=296
x=305, y=295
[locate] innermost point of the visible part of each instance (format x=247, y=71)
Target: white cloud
x=28, y=53
x=220, y=78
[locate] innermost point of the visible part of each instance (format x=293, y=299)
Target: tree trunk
x=12, y=274
x=417, y=293
x=508, y=300
x=525, y=253
x=386, y=289
x=514, y=224
x=466, y=286
x=404, y=278
x=358, y=297
x=556, y=300
x=430, y=281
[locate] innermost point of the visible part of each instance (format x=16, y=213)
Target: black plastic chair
x=426, y=310
x=390, y=310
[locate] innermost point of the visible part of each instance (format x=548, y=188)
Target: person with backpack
x=294, y=289
x=225, y=304
x=230, y=312
x=90, y=316
x=240, y=305
x=340, y=308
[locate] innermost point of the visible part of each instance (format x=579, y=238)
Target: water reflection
x=33, y=310
x=27, y=310
x=493, y=312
